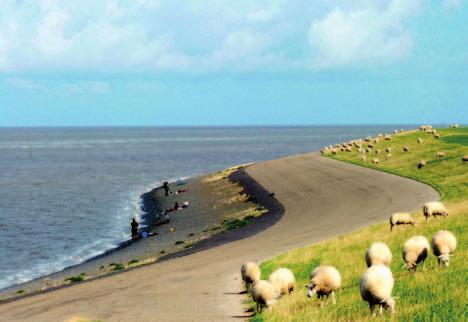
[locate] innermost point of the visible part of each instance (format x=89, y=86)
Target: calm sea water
x=67, y=194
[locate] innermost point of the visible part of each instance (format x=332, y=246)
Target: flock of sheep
x=367, y=145
x=377, y=282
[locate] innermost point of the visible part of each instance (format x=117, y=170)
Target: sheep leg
x=258, y=307
x=333, y=298
x=371, y=307
x=380, y=309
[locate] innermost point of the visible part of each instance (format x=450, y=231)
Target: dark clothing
x=134, y=225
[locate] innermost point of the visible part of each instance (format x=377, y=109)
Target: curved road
x=321, y=197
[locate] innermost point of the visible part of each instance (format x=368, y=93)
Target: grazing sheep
x=368, y=139
x=349, y=149
x=387, y=137
x=377, y=151
x=263, y=293
x=378, y=254
x=434, y=208
x=375, y=161
x=421, y=164
x=440, y=154
x=443, y=244
x=250, y=273
x=376, y=288
x=389, y=155
x=465, y=158
x=426, y=128
x=283, y=281
x=406, y=149
x=324, y=281
x=420, y=140
x=363, y=158
x=401, y=218
x=334, y=151
x=367, y=150
x=376, y=140
x=388, y=150
x=370, y=145
x=415, y=251
x=436, y=136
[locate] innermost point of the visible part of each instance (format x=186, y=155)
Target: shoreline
x=153, y=202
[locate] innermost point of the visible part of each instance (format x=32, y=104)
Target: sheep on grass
x=443, y=244
x=434, y=208
x=378, y=254
x=250, y=273
x=376, y=288
x=324, y=281
x=421, y=164
x=263, y=294
x=283, y=281
x=401, y=218
x=415, y=251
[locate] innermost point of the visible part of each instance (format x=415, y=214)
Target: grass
x=231, y=224
x=77, y=278
x=117, y=266
x=428, y=295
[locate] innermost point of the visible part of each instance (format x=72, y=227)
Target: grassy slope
x=428, y=295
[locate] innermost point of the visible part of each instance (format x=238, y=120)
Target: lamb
x=401, y=218
x=443, y=244
x=376, y=288
x=415, y=252
x=440, y=154
x=406, y=149
x=250, y=274
x=283, y=281
x=420, y=140
x=324, y=281
x=263, y=293
x=388, y=150
x=375, y=161
x=434, y=209
x=378, y=254
x=421, y=164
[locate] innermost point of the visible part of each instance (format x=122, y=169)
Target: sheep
x=389, y=155
x=405, y=149
x=396, y=131
x=378, y=254
x=421, y=164
x=388, y=150
x=283, y=281
x=443, y=244
x=324, y=281
x=370, y=145
x=334, y=151
x=415, y=252
x=376, y=140
x=420, y=140
x=263, y=293
x=367, y=150
x=434, y=209
x=376, y=288
x=368, y=139
x=250, y=273
x=401, y=130
x=436, y=136
x=465, y=158
x=401, y=218
x=440, y=154
x=426, y=128
x=377, y=151
x=375, y=161
x=387, y=137
x=363, y=158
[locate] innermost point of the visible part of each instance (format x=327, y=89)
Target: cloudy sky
x=224, y=62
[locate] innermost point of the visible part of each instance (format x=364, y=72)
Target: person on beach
x=134, y=225
x=166, y=188
x=176, y=206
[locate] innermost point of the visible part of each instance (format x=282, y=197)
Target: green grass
x=133, y=261
x=428, y=295
x=231, y=224
x=77, y=278
x=117, y=266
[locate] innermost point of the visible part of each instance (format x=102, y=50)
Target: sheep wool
x=263, y=293
x=283, y=281
x=434, y=208
x=324, y=281
x=415, y=251
x=378, y=254
x=443, y=245
x=376, y=288
x=401, y=218
x=250, y=273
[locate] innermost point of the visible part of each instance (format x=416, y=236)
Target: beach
x=321, y=198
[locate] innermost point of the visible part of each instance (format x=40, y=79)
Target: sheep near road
x=434, y=209
x=378, y=254
x=250, y=273
x=421, y=164
x=376, y=288
x=401, y=218
x=263, y=293
x=324, y=281
x=415, y=251
x=283, y=281
x=443, y=245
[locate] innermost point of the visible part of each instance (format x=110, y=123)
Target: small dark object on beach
x=272, y=194
x=166, y=188
x=179, y=242
x=134, y=225
x=20, y=291
x=133, y=261
x=162, y=252
x=190, y=235
x=101, y=267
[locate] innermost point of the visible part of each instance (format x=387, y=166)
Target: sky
x=224, y=62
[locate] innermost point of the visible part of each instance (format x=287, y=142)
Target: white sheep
x=434, y=209
x=388, y=150
x=378, y=254
x=441, y=154
x=324, y=281
x=389, y=155
x=376, y=288
x=421, y=164
x=406, y=149
x=250, y=274
x=443, y=244
x=420, y=140
x=263, y=293
x=363, y=158
x=283, y=281
x=401, y=218
x=415, y=251
x=375, y=161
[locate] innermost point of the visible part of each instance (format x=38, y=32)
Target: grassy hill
x=428, y=295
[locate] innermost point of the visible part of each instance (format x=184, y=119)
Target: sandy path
x=322, y=198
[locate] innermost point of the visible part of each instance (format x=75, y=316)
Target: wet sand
x=321, y=198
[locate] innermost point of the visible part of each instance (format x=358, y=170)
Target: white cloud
x=362, y=36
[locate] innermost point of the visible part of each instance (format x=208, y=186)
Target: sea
x=68, y=194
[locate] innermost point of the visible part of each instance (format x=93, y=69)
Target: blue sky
x=222, y=62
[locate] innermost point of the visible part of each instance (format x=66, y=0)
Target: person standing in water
x=134, y=225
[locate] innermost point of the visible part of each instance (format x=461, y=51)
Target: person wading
x=134, y=225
